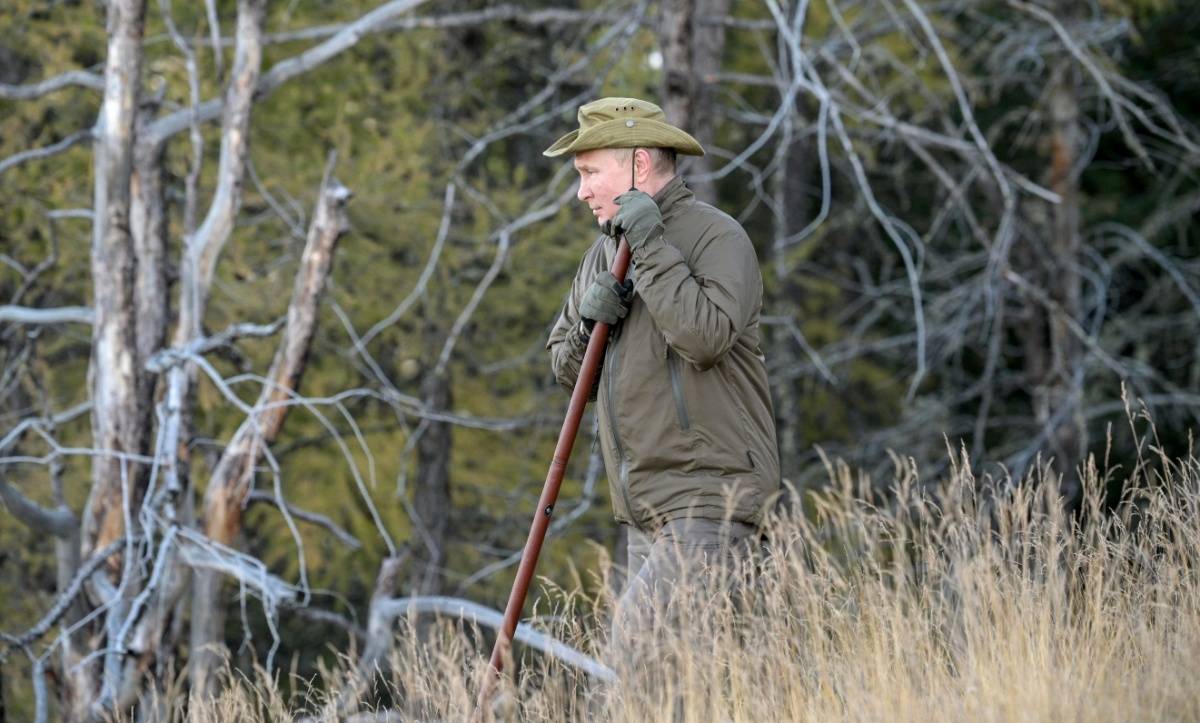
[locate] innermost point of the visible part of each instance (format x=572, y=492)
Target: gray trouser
x=693, y=550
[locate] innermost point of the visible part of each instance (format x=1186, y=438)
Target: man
x=686, y=425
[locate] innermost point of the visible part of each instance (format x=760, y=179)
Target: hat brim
x=617, y=133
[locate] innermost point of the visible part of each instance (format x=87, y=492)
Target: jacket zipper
x=677, y=391
x=610, y=368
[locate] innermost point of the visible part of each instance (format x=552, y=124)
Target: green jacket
x=686, y=424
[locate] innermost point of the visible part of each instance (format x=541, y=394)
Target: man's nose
x=583, y=193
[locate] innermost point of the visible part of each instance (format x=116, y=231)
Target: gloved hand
x=638, y=218
x=606, y=300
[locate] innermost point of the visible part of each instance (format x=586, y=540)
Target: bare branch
x=502, y=13
x=42, y=424
x=789, y=323
x=205, y=246
x=53, y=149
x=258, y=496
x=43, y=317
x=1180, y=210
x=214, y=29
x=351, y=627
x=201, y=553
x=76, y=78
x=346, y=38
x=475, y=613
x=503, y=237
x=67, y=597
x=234, y=473
x=167, y=358
x=59, y=521
x=418, y=289
x=1118, y=105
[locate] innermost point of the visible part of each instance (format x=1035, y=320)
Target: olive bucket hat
x=623, y=123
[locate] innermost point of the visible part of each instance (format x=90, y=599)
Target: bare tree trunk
x=1053, y=354
x=794, y=212
x=233, y=477
x=1068, y=438
x=431, y=496
x=149, y=232
x=112, y=371
x=692, y=45
x=201, y=251
x=379, y=636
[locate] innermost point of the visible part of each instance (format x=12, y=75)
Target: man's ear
x=641, y=162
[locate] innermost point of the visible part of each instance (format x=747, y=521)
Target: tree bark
x=1052, y=353
x=149, y=233
x=691, y=48
x=1059, y=406
x=233, y=477
x=431, y=495
x=378, y=639
x=793, y=186
x=112, y=370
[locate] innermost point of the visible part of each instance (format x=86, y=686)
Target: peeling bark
x=231, y=481
x=112, y=370
x=149, y=232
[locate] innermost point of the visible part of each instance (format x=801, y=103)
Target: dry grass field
x=961, y=599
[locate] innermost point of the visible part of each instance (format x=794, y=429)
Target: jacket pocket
x=717, y=420
x=676, y=377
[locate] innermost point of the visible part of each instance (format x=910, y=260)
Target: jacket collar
x=674, y=194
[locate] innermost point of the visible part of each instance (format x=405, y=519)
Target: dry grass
x=961, y=600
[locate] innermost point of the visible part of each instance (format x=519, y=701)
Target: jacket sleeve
x=567, y=343
x=701, y=308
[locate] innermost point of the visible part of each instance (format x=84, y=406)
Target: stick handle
x=554, y=478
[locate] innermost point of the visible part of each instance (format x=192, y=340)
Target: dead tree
x=1053, y=354
x=233, y=479
x=692, y=37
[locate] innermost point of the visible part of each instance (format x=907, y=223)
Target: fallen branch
x=475, y=613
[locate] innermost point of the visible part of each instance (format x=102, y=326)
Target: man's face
x=602, y=177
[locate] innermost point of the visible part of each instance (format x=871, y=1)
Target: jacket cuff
x=655, y=236
x=655, y=253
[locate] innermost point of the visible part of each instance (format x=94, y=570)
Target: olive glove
x=606, y=300
x=638, y=218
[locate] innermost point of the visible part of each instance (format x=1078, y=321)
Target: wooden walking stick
x=541, y=516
